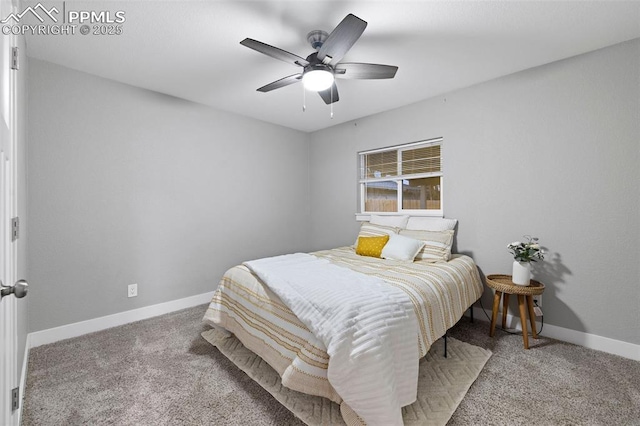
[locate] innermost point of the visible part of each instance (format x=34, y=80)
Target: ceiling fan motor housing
x=316, y=64
x=318, y=67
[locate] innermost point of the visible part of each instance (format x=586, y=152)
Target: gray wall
x=130, y=186
x=127, y=185
x=552, y=152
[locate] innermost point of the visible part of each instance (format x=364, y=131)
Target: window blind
x=380, y=164
x=417, y=159
x=421, y=160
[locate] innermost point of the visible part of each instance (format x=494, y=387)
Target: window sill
x=364, y=217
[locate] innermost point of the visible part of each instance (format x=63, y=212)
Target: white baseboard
x=591, y=341
x=38, y=338
x=55, y=334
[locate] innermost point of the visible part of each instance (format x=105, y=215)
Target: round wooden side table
x=503, y=285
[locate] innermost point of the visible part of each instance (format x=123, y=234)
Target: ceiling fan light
x=317, y=80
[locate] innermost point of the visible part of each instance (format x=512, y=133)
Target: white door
x=9, y=377
x=8, y=363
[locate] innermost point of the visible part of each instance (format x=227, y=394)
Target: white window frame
x=363, y=215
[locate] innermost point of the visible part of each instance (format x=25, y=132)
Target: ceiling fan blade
x=341, y=39
x=330, y=95
x=274, y=52
x=281, y=83
x=353, y=70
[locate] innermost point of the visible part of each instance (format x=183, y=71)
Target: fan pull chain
x=304, y=99
x=331, y=103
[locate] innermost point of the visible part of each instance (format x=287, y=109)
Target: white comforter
x=368, y=327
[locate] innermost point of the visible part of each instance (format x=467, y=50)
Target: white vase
x=521, y=273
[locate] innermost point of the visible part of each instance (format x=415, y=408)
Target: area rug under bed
x=442, y=384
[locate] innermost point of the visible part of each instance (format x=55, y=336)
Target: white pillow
x=393, y=221
x=430, y=224
x=401, y=248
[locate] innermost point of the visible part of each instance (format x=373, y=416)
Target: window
x=402, y=179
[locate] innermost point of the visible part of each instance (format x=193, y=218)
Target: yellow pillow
x=371, y=246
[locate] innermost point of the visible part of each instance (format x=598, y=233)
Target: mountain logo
x=36, y=11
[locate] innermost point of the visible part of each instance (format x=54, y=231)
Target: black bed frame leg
x=445, y=345
x=445, y=334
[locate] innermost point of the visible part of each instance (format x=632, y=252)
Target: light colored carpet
x=160, y=371
x=442, y=384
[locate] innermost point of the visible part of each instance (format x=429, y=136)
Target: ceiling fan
x=320, y=68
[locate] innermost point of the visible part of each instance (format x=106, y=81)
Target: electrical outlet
x=132, y=290
x=537, y=300
x=537, y=311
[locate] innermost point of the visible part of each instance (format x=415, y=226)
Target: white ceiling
x=191, y=50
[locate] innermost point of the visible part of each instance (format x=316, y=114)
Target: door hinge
x=15, y=399
x=15, y=65
x=15, y=228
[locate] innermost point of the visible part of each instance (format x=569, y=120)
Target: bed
x=439, y=290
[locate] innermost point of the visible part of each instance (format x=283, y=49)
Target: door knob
x=19, y=289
